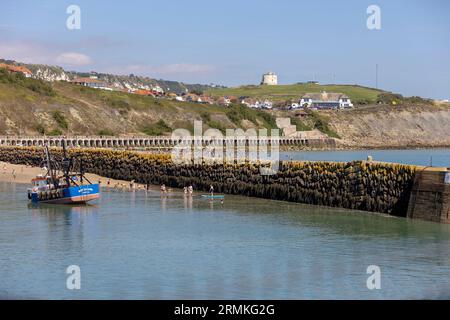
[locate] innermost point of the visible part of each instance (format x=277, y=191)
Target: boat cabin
x=40, y=182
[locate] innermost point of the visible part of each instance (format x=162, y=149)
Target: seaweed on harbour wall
x=378, y=187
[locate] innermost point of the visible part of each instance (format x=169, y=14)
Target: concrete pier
x=430, y=195
x=152, y=142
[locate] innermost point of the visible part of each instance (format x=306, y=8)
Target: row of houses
x=256, y=104
x=315, y=101
x=325, y=100
x=16, y=69
x=156, y=91
x=321, y=101
x=94, y=82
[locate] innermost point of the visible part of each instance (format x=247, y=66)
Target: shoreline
x=361, y=185
x=365, y=148
x=24, y=174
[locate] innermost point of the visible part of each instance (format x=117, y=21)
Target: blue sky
x=233, y=42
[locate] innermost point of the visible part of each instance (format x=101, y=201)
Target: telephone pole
x=376, y=76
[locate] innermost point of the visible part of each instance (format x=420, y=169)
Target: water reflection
x=141, y=245
x=55, y=210
x=188, y=201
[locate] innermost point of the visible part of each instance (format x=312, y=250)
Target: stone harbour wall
x=378, y=187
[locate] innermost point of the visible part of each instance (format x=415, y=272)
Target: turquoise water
x=425, y=157
x=133, y=245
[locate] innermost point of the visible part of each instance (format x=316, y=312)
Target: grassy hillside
x=358, y=94
x=32, y=107
x=29, y=106
x=51, y=73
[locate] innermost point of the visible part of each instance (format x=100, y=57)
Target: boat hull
x=72, y=195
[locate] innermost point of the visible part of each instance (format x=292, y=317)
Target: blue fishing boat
x=62, y=184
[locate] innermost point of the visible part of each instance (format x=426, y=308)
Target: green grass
x=268, y=120
x=55, y=132
x=156, y=129
x=321, y=123
x=106, y=132
x=53, y=98
x=358, y=94
x=60, y=119
x=301, y=126
x=19, y=80
x=217, y=125
x=40, y=128
x=237, y=113
x=125, y=102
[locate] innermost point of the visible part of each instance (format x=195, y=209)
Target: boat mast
x=49, y=164
x=81, y=170
x=66, y=163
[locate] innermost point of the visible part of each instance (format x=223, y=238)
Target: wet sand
x=16, y=173
x=23, y=174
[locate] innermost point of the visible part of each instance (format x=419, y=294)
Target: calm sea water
x=424, y=157
x=144, y=246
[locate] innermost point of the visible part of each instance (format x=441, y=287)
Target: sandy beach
x=23, y=174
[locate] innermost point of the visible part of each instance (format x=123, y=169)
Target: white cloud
x=73, y=59
x=32, y=52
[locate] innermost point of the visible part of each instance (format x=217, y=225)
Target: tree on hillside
x=197, y=92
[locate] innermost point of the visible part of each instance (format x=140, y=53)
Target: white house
x=92, y=82
x=326, y=100
x=251, y=103
x=158, y=89
x=294, y=105
x=256, y=104
x=224, y=101
x=266, y=104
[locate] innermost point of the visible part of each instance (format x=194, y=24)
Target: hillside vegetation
x=29, y=106
x=35, y=107
x=358, y=94
x=55, y=73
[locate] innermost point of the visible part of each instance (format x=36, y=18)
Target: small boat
x=61, y=184
x=209, y=196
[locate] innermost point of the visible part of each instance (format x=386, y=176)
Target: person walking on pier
x=211, y=190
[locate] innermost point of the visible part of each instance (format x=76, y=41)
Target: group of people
x=123, y=186
x=188, y=190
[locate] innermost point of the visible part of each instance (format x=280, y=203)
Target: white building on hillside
x=270, y=79
x=326, y=100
